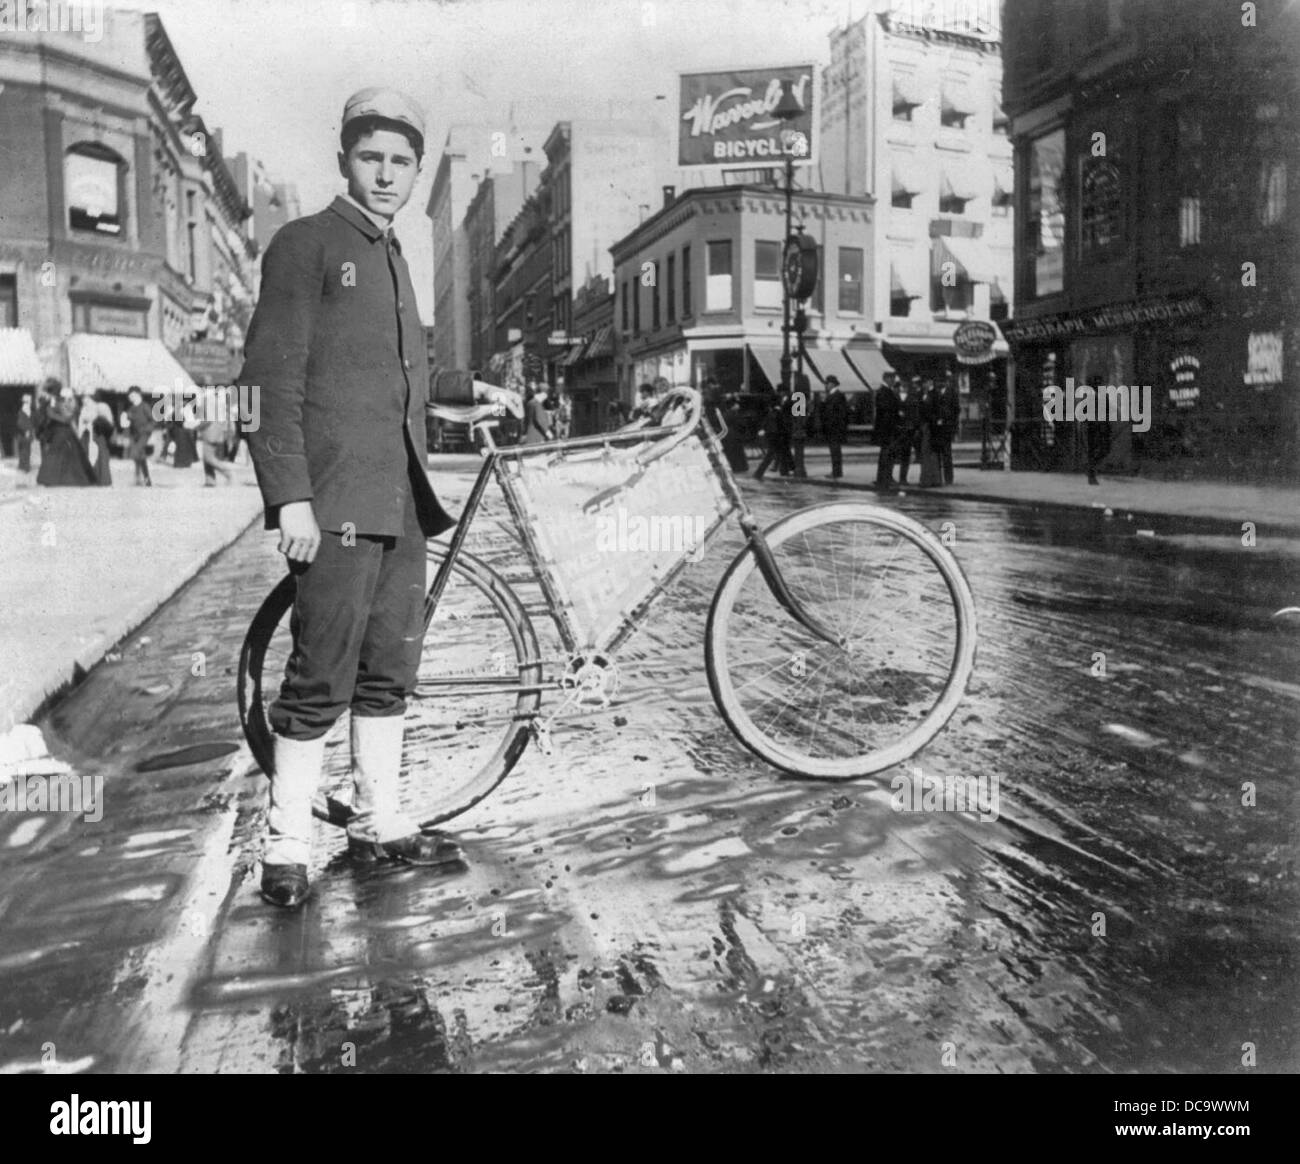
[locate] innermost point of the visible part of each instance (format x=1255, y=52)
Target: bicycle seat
x=464, y=414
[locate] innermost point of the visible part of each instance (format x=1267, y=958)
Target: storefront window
x=92, y=180
x=8, y=301
x=672, y=288
x=686, y=282
x=1045, y=217
x=767, y=274
x=717, y=288
x=1272, y=184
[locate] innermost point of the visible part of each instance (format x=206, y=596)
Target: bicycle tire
x=721, y=626
x=430, y=808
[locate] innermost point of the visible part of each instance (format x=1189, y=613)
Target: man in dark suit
x=139, y=423
x=800, y=411
x=835, y=424
x=336, y=352
x=946, y=411
x=886, y=430
x=26, y=426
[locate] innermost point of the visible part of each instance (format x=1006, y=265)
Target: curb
x=1150, y=519
x=60, y=677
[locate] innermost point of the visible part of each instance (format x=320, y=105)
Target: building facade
x=1156, y=162
x=123, y=236
x=469, y=153
x=589, y=372
x=496, y=202
x=522, y=294
x=912, y=115
x=699, y=291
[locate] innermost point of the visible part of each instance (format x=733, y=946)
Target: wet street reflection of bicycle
x=650, y=896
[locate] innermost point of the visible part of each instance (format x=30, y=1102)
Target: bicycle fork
x=780, y=591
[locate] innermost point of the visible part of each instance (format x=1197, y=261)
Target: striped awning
x=19, y=364
x=602, y=344
x=120, y=362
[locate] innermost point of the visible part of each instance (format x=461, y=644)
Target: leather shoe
x=432, y=848
x=285, y=885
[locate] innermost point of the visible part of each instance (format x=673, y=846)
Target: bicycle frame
x=495, y=461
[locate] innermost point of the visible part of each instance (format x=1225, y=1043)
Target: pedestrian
x=931, y=473
x=537, y=419
x=138, y=422
x=800, y=407
x=26, y=426
x=885, y=432
x=907, y=430
x=212, y=434
x=645, y=403
x=184, y=431
x=835, y=424
x=563, y=417
x=64, y=460
x=947, y=412
x=776, y=434
x=336, y=345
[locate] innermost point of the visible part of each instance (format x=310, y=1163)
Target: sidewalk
x=1274, y=507
x=82, y=568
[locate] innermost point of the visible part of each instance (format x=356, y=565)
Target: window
x=654, y=296
x=906, y=96
x=671, y=310
x=1186, y=163
x=717, y=283
x=1100, y=204
x=1003, y=194
x=686, y=282
x=93, y=189
x=955, y=104
x=192, y=237
x=1272, y=189
x=767, y=274
x=636, y=306
x=625, y=305
x=850, y=283
x=8, y=300
x=1044, y=222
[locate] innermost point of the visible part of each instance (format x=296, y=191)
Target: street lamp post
x=787, y=110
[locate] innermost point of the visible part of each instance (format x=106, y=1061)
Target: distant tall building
x=468, y=153
x=912, y=115
x=499, y=198
x=273, y=203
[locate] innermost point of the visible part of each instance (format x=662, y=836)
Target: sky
x=274, y=74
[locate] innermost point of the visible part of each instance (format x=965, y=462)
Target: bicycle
x=826, y=656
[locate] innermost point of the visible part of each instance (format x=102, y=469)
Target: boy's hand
x=299, y=533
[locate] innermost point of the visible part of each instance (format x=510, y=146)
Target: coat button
x=406, y=364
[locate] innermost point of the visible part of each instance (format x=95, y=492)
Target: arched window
x=94, y=188
x=1100, y=208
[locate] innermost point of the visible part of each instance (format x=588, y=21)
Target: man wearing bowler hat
x=336, y=350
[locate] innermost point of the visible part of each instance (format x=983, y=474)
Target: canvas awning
x=1004, y=187
x=957, y=99
x=898, y=287
x=19, y=365
x=120, y=362
x=907, y=91
x=906, y=177
x=769, y=359
x=971, y=256
x=869, y=364
x=602, y=344
x=825, y=363
x=958, y=181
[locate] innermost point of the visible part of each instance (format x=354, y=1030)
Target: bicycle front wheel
x=468, y=721
x=899, y=600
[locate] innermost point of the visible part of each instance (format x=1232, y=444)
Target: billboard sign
x=725, y=118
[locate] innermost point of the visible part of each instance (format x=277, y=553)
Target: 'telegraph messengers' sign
x=727, y=118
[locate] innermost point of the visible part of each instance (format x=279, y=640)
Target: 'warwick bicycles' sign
x=727, y=118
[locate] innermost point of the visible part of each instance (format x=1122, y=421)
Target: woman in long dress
x=931, y=469
x=101, y=429
x=63, y=459
x=537, y=420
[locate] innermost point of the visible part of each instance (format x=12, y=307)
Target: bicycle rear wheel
x=901, y=602
x=469, y=718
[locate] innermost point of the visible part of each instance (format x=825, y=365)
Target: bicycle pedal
x=542, y=734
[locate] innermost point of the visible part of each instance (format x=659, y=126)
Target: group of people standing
x=548, y=415
x=916, y=419
x=74, y=431
x=786, y=427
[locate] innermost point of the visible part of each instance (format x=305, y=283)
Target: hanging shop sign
x=974, y=341
x=727, y=118
x=1264, y=359
x=1186, y=370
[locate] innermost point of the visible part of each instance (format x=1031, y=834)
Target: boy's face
x=380, y=169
